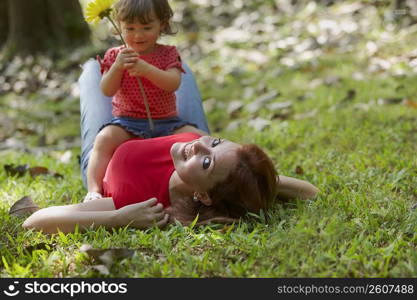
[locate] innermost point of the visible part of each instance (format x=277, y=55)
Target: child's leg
x=189, y=128
x=105, y=144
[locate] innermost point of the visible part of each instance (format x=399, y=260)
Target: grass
x=360, y=154
x=360, y=225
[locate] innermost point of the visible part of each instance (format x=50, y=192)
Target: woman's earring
x=195, y=198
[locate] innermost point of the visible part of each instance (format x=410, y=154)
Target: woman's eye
x=206, y=162
x=148, y=28
x=215, y=142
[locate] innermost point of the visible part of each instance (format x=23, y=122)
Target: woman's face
x=204, y=162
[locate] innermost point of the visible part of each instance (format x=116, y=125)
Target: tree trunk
x=28, y=30
x=68, y=17
x=44, y=26
x=4, y=26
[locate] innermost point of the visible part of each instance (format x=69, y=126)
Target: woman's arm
x=97, y=213
x=292, y=188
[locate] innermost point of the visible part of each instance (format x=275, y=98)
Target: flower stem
x=117, y=29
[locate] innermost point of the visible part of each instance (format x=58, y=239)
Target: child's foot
x=92, y=196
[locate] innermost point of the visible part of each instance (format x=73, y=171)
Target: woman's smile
x=204, y=162
x=187, y=150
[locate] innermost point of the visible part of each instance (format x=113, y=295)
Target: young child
x=157, y=66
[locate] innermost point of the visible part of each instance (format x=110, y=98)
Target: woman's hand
x=142, y=215
x=292, y=188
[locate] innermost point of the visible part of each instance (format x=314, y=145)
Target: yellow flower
x=97, y=10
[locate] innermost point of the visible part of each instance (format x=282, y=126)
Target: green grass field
x=352, y=136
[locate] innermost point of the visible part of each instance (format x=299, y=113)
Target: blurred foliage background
x=226, y=43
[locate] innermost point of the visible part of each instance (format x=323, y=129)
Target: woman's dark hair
x=250, y=187
x=141, y=10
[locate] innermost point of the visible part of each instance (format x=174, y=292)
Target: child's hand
x=138, y=67
x=125, y=57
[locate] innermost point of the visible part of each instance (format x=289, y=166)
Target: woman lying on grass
x=151, y=182
x=187, y=175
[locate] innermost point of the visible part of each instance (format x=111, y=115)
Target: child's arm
x=168, y=80
x=111, y=80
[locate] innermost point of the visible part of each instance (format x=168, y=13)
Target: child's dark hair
x=141, y=10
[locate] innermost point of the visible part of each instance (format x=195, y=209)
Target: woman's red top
x=141, y=168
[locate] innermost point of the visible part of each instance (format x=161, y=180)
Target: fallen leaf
x=162, y=257
x=410, y=103
x=305, y=96
x=332, y=80
x=299, y=170
x=362, y=106
x=234, y=107
x=234, y=125
x=209, y=105
x=306, y=115
x=249, y=91
x=57, y=175
x=66, y=157
x=260, y=101
x=39, y=246
x=19, y=170
x=279, y=105
x=14, y=143
x=358, y=76
x=259, y=124
x=350, y=95
x=386, y=101
x=107, y=256
x=23, y=206
x=399, y=88
x=282, y=115
x=315, y=83
x=36, y=171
